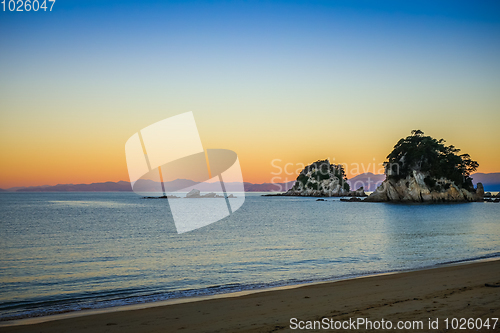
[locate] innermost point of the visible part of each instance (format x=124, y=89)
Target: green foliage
x=302, y=178
x=321, y=169
x=318, y=175
x=314, y=186
x=430, y=182
x=346, y=186
x=426, y=154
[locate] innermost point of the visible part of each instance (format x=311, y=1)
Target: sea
x=70, y=251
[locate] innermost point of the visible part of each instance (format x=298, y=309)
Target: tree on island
x=312, y=175
x=419, y=152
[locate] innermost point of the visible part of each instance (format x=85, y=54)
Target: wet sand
x=458, y=291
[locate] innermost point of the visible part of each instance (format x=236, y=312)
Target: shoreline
x=189, y=299
x=26, y=324
x=358, y=198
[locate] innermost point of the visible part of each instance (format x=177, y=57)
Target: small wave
x=108, y=299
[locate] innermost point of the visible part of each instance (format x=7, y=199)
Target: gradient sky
x=290, y=81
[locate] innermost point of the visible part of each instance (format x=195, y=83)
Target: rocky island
x=196, y=194
x=423, y=169
x=322, y=179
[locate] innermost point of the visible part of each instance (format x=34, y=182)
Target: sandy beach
x=458, y=291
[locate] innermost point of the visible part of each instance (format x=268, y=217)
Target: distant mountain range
x=369, y=181
x=150, y=186
x=491, y=181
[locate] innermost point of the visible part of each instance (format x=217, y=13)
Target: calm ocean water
x=71, y=251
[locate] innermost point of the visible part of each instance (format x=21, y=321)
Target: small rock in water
x=194, y=193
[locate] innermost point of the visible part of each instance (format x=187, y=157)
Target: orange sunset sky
x=292, y=82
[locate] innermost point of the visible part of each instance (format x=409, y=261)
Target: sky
x=281, y=83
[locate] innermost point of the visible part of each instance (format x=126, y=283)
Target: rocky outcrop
x=322, y=179
x=480, y=190
x=353, y=199
x=418, y=187
x=360, y=192
x=194, y=193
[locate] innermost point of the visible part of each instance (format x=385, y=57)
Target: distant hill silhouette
x=370, y=181
x=491, y=181
x=148, y=185
x=94, y=187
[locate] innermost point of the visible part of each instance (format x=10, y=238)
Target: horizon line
x=183, y=179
